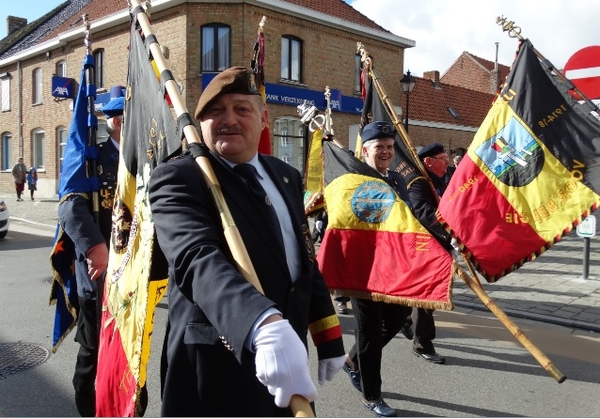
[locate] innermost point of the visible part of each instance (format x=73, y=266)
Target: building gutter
x=280, y=6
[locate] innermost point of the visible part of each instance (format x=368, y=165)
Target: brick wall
x=328, y=60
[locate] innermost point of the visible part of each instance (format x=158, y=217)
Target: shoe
x=341, y=308
x=380, y=408
x=432, y=357
x=354, y=377
x=19, y=199
x=407, y=331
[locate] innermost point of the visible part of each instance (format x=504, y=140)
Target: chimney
x=433, y=75
x=14, y=23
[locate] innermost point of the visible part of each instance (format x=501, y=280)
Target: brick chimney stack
x=432, y=75
x=14, y=23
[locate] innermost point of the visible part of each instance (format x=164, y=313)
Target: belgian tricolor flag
x=137, y=274
x=531, y=174
x=374, y=247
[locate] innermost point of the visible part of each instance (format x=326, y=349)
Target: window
x=5, y=88
x=38, y=148
x=61, y=68
x=287, y=146
x=6, y=150
x=99, y=68
x=453, y=112
x=215, y=47
x=36, y=82
x=61, y=141
x=291, y=58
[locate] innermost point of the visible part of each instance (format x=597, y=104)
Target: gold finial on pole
x=509, y=26
x=262, y=23
x=328, y=117
x=87, y=41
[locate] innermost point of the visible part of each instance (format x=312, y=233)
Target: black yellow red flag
x=137, y=272
x=531, y=174
x=374, y=247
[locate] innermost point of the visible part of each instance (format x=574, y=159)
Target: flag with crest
x=137, y=273
x=373, y=246
x=530, y=175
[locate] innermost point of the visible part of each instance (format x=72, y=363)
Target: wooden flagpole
x=299, y=405
x=475, y=285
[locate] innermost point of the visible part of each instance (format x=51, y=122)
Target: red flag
x=264, y=145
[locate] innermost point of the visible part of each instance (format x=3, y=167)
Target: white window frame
x=6, y=151
x=5, y=87
x=38, y=139
x=37, y=85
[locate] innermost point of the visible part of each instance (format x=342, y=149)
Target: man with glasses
x=424, y=206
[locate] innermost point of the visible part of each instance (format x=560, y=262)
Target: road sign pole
x=586, y=257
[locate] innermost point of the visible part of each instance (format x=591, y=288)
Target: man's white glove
x=329, y=367
x=455, y=252
x=319, y=226
x=282, y=363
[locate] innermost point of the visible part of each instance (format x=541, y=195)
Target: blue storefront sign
x=63, y=87
x=294, y=96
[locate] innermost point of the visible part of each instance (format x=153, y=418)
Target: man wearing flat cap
x=91, y=247
x=425, y=204
x=376, y=322
x=230, y=350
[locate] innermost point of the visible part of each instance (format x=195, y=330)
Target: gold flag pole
x=299, y=405
x=473, y=284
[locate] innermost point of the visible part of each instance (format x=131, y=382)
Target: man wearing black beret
x=425, y=204
x=230, y=350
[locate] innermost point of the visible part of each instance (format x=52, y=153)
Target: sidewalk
x=549, y=289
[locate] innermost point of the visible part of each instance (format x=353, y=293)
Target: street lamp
x=408, y=84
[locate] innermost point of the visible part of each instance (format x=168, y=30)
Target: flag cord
x=299, y=405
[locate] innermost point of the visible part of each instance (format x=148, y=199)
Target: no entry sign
x=583, y=69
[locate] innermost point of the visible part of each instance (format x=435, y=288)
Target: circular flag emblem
x=372, y=201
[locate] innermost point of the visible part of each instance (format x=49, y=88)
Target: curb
x=575, y=324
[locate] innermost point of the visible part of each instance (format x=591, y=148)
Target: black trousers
x=423, y=329
x=377, y=323
x=84, y=379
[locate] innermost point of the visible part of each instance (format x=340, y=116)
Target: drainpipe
x=20, y=108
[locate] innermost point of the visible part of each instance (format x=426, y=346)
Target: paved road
x=488, y=372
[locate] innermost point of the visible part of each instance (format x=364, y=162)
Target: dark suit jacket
x=425, y=203
x=209, y=299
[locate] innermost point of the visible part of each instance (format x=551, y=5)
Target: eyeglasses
x=441, y=158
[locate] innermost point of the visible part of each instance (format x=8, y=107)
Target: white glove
x=319, y=226
x=282, y=363
x=455, y=245
x=455, y=252
x=329, y=367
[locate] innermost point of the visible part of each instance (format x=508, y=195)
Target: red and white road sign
x=583, y=69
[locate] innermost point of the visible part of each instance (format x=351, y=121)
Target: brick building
x=309, y=45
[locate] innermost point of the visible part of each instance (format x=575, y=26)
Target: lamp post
x=408, y=84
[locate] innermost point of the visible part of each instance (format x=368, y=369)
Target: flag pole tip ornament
x=377, y=129
x=239, y=80
x=431, y=150
x=114, y=107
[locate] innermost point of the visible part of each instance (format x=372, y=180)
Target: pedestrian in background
x=19, y=172
x=32, y=178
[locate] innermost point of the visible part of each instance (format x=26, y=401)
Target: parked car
x=3, y=219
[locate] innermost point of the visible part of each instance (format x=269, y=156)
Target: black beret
x=377, y=129
x=114, y=107
x=233, y=80
x=431, y=150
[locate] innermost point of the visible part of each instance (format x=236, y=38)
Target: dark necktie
x=249, y=173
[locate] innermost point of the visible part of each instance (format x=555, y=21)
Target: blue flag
x=74, y=179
